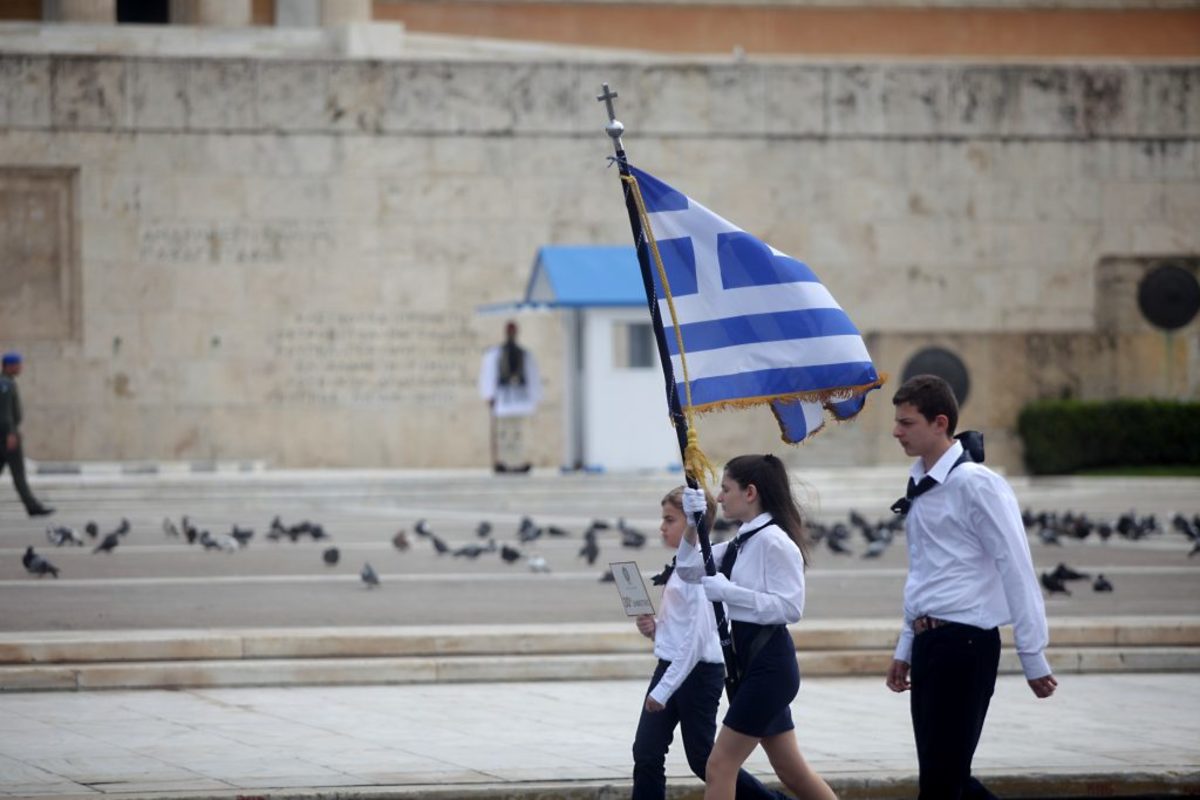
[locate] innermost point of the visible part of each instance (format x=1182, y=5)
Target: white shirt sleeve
x=487, y=373
x=689, y=557
x=996, y=519
x=905, y=644
x=682, y=664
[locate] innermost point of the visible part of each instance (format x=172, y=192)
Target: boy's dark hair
x=770, y=477
x=931, y=396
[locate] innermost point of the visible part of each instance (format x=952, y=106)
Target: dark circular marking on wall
x=1169, y=296
x=947, y=366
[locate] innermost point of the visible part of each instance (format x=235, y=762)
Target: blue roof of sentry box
x=580, y=276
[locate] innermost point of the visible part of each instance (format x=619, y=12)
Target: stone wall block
x=549, y=98
x=977, y=100
x=357, y=94
x=25, y=100
x=1169, y=99
x=854, y=100
x=1047, y=103
x=794, y=100
x=737, y=100
x=90, y=93
x=293, y=96
x=222, y=95
x=914, y=101
x=676, y=101
x=159, y=96
x=440, y=98
x=1107, y=98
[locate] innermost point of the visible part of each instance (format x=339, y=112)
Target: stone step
x=493, y=653
x=500, y=668
x=533, y=639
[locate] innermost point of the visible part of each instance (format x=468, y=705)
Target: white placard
x=632, y=588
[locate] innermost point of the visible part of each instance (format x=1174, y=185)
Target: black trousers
x=953, y=676
x=15, y=459
x=693, y=708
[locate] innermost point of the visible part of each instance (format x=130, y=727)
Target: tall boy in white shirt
x=969, y=572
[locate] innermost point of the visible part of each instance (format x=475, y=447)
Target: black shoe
x=41, y=511
x=499, y=467
x=523, y=468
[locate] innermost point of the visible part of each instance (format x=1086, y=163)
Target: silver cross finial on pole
x=614, y=128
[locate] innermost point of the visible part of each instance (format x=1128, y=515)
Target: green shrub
x=1063, y=436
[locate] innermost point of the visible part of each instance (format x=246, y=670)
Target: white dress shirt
x=969, y=561
x=685, y=631
x=768, y=575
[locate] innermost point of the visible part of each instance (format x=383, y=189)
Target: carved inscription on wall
x=38, y=265
x=409, y=358
x=235, y=242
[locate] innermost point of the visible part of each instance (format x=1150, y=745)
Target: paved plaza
x=511, y=739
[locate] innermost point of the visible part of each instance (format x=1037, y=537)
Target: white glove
x=694, y=502
x=718, y=588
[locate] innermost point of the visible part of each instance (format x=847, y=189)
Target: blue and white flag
x=757, y=325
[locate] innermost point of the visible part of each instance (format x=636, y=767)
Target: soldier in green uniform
x=10, y=436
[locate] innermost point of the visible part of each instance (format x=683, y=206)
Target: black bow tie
x=914, y=491
x=662, y=577
x=972, y=442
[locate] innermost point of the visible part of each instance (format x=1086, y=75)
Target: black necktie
x=731, y=552
x=972, y=442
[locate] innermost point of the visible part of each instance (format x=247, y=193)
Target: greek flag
x=757, y=325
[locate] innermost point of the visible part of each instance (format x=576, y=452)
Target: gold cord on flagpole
x=695, y=462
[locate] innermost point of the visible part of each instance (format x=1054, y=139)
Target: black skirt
x=761, y=706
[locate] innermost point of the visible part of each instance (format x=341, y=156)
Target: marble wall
x=281, y=259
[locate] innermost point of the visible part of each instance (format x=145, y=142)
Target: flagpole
x=614, y=129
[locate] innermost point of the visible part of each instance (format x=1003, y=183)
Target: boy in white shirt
x=969, y=572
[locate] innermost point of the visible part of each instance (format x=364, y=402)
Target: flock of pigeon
x=1049, y=528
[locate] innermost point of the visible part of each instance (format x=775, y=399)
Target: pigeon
x=330, y=556
x=1054, y=585
x=527, y=531
x=1195, y=549
x=590, y=549
x=317, y=532
x=123, y=528
x=36, y=565
x=475, y=550
x=877, y=547
x=439, y=544
x=1065, y=573
x=368, y=576
x=400, y=540
x=1049, y=537
x=189, y=531
x=538, y=564
x=608, y=577
x=276, y=530
x=241, y=535
x=169, y=528
x=599, y=525
x=1102, y=584
x=483, y=530
x=630, y=537
x=554, y=530
x=509, y=554
x=108, y=543
x=92, y=529
x=421, y=529
x=60, y=535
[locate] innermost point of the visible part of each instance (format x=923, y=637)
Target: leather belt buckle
x=927, y=623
